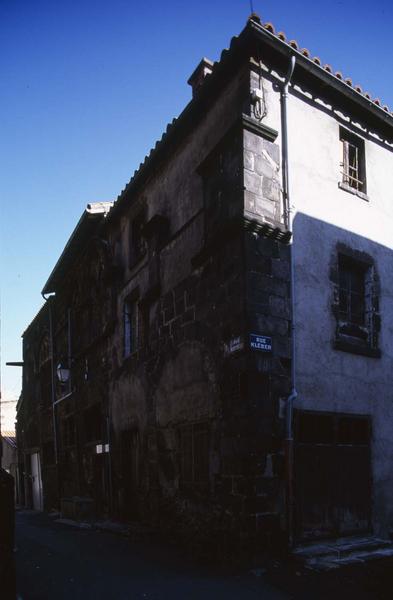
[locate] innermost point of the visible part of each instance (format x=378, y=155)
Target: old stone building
x=215, y=351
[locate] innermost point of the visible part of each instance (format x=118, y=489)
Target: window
x=131, y=327
x=352, y=292
x=353, y=161
x=194, y=455
x=137, y=240
x=356, y=303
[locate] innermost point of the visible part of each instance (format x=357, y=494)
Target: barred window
x=131, y=327
x=356, y=303
x=353, y=161
x=352, y=290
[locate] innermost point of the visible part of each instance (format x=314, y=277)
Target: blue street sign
x=260, y=342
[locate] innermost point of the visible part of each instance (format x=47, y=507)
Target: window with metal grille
x=194, y=455
x=353, y=161
x=351, y=291
x=356, y=302
x=131, y=327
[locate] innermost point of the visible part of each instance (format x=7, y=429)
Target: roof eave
x=306, y=72
x=358, y=104
x=91, y=215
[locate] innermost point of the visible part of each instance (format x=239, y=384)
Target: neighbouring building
x=215, y=351
x=9, y=455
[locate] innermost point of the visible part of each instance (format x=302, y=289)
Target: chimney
x=196, y=80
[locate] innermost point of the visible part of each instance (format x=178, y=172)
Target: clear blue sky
x=87, y=87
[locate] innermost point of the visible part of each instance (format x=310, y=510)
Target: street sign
x=262, y=343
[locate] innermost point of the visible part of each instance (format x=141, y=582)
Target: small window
x=352, y=291
x=356, y=303
x=353, y=161
x=137, y=240
x=194, y=455
x=131, y=327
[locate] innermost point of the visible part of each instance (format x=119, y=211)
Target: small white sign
x=234, y=345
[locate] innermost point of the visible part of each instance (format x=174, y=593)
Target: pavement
x=57, y=561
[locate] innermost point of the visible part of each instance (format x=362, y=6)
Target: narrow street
x=58, y=562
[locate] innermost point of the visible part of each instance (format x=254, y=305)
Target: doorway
x=332, y=474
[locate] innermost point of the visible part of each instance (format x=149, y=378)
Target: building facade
x=215, y=351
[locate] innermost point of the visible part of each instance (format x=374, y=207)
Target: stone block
x=249, y=160
x=266, y=207
x=253, y=182
x=271, y=189
x=273, y=151
x=280, y=269
x=272, y=325
x=261, y=264
x=249, y=201
x=282, y=347
x=264, y=167
x=252, y=142
x=268, y=284
x=279, y=307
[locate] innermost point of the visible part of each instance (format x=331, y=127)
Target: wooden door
x=332, y=474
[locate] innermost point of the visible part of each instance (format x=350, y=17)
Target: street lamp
x=63, y=373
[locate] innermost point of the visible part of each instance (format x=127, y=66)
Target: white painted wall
x=324, y=215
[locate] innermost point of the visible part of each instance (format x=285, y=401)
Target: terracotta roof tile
x=294, y=44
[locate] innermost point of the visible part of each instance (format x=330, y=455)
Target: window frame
x=353, y=177
x=356, y=335
x=137, y=242
x=131, y=326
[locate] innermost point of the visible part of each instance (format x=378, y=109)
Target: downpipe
x=53, y=394
x=288, y=221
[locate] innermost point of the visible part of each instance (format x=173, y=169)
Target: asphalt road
x=58, y=562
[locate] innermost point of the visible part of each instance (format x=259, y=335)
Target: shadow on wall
x=344, y=359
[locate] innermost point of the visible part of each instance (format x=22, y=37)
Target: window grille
x=353, y=161
x=131, y=327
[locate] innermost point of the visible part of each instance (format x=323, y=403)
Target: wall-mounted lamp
x=63, y=373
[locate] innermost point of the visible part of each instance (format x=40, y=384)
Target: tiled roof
x=315, y=59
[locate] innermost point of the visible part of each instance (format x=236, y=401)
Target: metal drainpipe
x=288, y=221
x=53, y=393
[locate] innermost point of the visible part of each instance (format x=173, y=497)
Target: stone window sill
x=355, y=347
x=351, y=190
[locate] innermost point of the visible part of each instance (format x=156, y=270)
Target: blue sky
x=87, y=87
